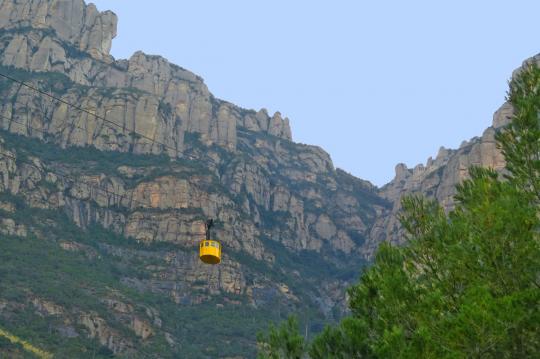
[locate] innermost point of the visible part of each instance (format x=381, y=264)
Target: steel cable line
x=105, y=121
x=192, y=157
x=43, y=131
x=102, y=118
x=22, y=83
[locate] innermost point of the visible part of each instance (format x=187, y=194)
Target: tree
x=520, y=141
x=344, y=341
x=283, y=342
x=467, y=284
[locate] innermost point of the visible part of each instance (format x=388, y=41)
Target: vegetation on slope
x=467, y=284
x=36, y=266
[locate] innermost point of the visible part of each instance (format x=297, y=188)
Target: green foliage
x=520, y=141
x=282, y=342
x=166, y=109
x=467, y=284
x=78, y=281
x=344, y=341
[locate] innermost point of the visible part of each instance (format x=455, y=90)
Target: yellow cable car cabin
x=209, y=250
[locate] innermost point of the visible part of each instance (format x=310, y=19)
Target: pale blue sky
x=374, y=83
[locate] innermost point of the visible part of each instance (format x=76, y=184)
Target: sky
x=374, y=83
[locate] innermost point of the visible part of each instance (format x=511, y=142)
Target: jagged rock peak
x=159, y=99
x=73, y=21
x=503, y=115
x=140, y=63
x=401, y=170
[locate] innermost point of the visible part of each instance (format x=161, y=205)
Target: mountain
x=109, y=176
x=109, y=169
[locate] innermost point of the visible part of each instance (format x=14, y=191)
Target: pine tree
x=467, y=284
x=283, y=342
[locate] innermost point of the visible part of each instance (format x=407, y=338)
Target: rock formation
x=148, y=153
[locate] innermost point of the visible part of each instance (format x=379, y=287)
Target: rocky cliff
x=146, y=94
x=144, y=156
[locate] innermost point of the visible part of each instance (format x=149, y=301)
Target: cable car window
x=206, y=244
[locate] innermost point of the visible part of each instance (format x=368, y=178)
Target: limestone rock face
x=79, y=24
x=46, y=307
x=98, y=328
x=141, y=328
x=145, y=94
x=9, y=227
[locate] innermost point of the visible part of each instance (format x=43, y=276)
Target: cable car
x=209, y=250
